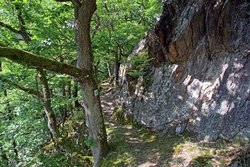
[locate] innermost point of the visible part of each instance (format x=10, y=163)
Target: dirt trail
x=134, y=146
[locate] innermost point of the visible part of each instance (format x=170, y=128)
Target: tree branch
x=22, y=32
x=35, y=61
x=9, y=27
x=27, y=90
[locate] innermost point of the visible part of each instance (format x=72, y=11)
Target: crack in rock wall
x=201, y=73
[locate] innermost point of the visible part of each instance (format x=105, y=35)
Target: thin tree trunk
x=37, y=82
x=45, y=97
x=47, y=106
x=117, y=67
x=108, y=68
x=69, y=95
x=84, y=74
x=68, y=89
x=75, y=94
x=14, y=147
x=63, y=108
x=63, y=90
x=66, y=93
x=22, y=30
x=91, y=100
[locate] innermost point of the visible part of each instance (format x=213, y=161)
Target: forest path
x=132, y=145
x=136, y=146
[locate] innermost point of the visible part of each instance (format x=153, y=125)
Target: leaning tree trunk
x=47, y=106
x=91, y=100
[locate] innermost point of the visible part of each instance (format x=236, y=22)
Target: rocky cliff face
x=201, y=70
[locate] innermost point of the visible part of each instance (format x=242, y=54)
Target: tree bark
x=84, y=75
x=47, y=106
x=35, y=61
x=69, y=95
x=22, y=29
x=108, y=68
x=46, y=98
x=14, y=147
x=117, y=67
x=75, y=95
x=91, y=100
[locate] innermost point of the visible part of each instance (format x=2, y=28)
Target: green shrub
x=140, y=65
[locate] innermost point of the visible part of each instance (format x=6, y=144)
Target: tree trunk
x=68, y=89
x=46, y=98
x=91, y=100
x=69, y=95
x=75, y=95
x=84, y=75
x=47, y=106
x=117, y=67
x=14, y=148
x=108, y=68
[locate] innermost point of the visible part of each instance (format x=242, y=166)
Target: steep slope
x=200, y=72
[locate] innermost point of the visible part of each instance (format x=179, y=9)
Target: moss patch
x=134, y=146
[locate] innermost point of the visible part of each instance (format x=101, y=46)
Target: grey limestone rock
x=201, y=70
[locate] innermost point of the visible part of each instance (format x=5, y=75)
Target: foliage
x=139, y=65
x=27, y=127
x=116, y=27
